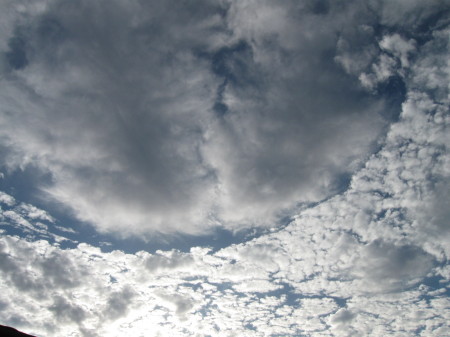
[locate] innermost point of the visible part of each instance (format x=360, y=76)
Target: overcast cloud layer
x=182, y=117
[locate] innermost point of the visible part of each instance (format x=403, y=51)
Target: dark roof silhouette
x=6, y=331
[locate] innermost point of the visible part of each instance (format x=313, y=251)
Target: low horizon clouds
x=324, y=123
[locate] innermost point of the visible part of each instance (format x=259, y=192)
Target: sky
x=225, y=168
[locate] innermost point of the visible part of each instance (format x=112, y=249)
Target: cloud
x=181, y=305
x=398, y=47
x=169, y=260
x=343, y=317
x=387, y=267
x=131, y=154
x=279, y=144
x=118, y=302
x=371, y=260
x=7, y=199
x=411, y=14
x=66, y=311
x=119, y=104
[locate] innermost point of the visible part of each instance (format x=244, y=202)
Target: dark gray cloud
x=389, y=267
x=116, y=109
x=16, y=56
x=343, y=317
x=118, y=302
x=66, y=311
x=160, y=117
x=61, y=271
x=17, y=276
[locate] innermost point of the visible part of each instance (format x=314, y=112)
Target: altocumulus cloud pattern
x=225, y=168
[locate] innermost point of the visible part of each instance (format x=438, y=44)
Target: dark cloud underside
x=163, y=117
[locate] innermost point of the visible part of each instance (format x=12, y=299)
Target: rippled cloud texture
x=168, y=118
